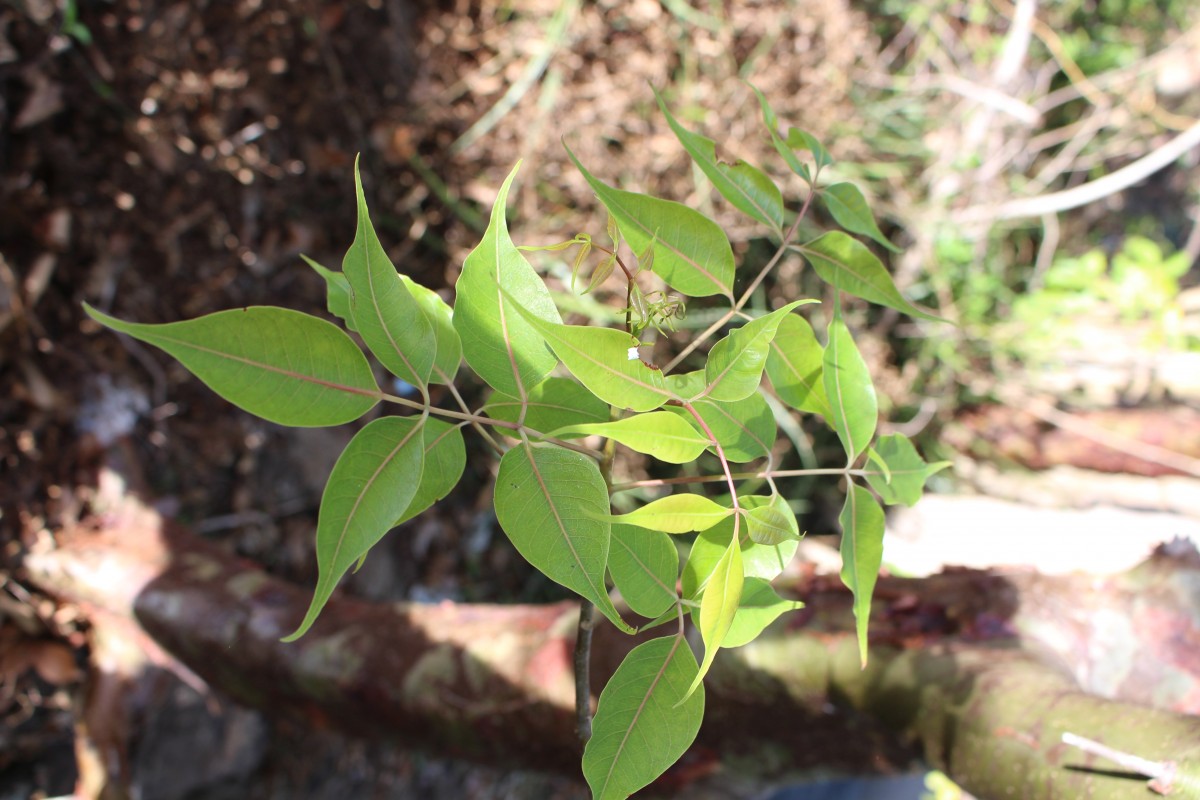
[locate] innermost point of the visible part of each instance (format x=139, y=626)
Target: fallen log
x=969, y=670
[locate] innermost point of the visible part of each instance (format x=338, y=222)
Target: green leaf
x=337, y=292
x=745, y=428
x=552, y=404
x=846, y=264
x=372, y=483
x=802, y=140
x=735, y=364
x=853, y=407
x=718, y=605
x=644, y=566
x=904, y=471
x=744, y=186
x=599, y=358
x=497, y=341
x=691, y=252
x=388, y=318
x=760, y=606
x=659, y=433
x=772, y=522
x=794, y=367
x=862, y=555
x=641, y=726
x=758, y=560
x=676, y=513
x=850, y=210
x=281, y=365
x=447, y=345
x=553, y=504
x=796, y=140
x=445, y=459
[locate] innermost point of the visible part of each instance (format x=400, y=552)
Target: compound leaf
x=281, y=365
x=903, y=470
x=846, y=264
x=553, y=504
x=372, y=483
x=794, y=366
x=497, y=341
x=854, y=409
x=677, y=513
x=850, y=210
x=643, y=723
x=862, y=554
x=644, y=566
x=661, y=434
x=691, y=252
x=388, y=318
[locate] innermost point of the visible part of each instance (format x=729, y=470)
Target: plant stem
x=583, y=660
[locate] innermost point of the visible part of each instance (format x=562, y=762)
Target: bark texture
x=968, y=670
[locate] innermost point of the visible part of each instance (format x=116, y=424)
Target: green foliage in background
x=555, y=385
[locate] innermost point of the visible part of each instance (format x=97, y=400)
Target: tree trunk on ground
x=965, y=666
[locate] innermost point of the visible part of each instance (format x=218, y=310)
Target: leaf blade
x=794, y=366
x=661, y=434
x=905, y=472
x=846, y=264
x=862, y=555
x=644, y=566
x=850, y=210
x=676, y=513
x=854, y=408
x=735, y=364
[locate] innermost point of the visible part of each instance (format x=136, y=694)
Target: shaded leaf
x=735, y=364
x=904, y=471
x=278, y=364
x=794, y=366
x=497, y=341
x=447, y=345
x=644, y=566
x=337, y=292
x=388, y=318
x=659, y=433
x=552, y=404
x=846, y=264
x=758, y=560
x=691, y=252
x=862, y=554
x=850, y=210
x=854, y=409
x=445, y=459
x=372, y=483
x=641, y=728
x=744, y=186
x=553, y=504
x=676, y=513
x=760, y=606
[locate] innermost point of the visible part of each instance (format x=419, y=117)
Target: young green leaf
x=372, y=483
x=554, y=403
x=803, y=140
x=661, y=434
x=676, y=513
x=794, y=367
x=853, y=407
x=281, y=365
x=796, y=140
x=744, y=186
x=846, y=264
x=862, y=555
x=770, y=523
x=850, y=210
x=644, y=566
x=599, y=358
x=641, y=726
x=445, y=459
x=497, y=341
x=337, y=292
x=388, y=318
x=758, y=560
x=718, y=606
x=906, y=472
x=691, y=252
x=553, y=504
x=760, y=606
x=745, y=428
x=735, y=364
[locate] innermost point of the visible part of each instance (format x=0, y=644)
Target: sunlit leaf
x=718, y=606
x=845, y=263
x=372, y=483
x=691, y=252
x=676, y=513
x=553, y=504
x=771, y=523
x=862, y=554
x=641, y=728
x=497, y=341
x=759, y=607
x=803, y=140
x=659, y=433
x=906, y=472
x=758, y=560
x=850, y=210
x=745, y=428
x=796, y=140
x=794, y=366
x=735, y=364
x=746, y=187
x=853, y=407
x=281, y=365
x=388, y=318
x=644, y=566
x=552, y=404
